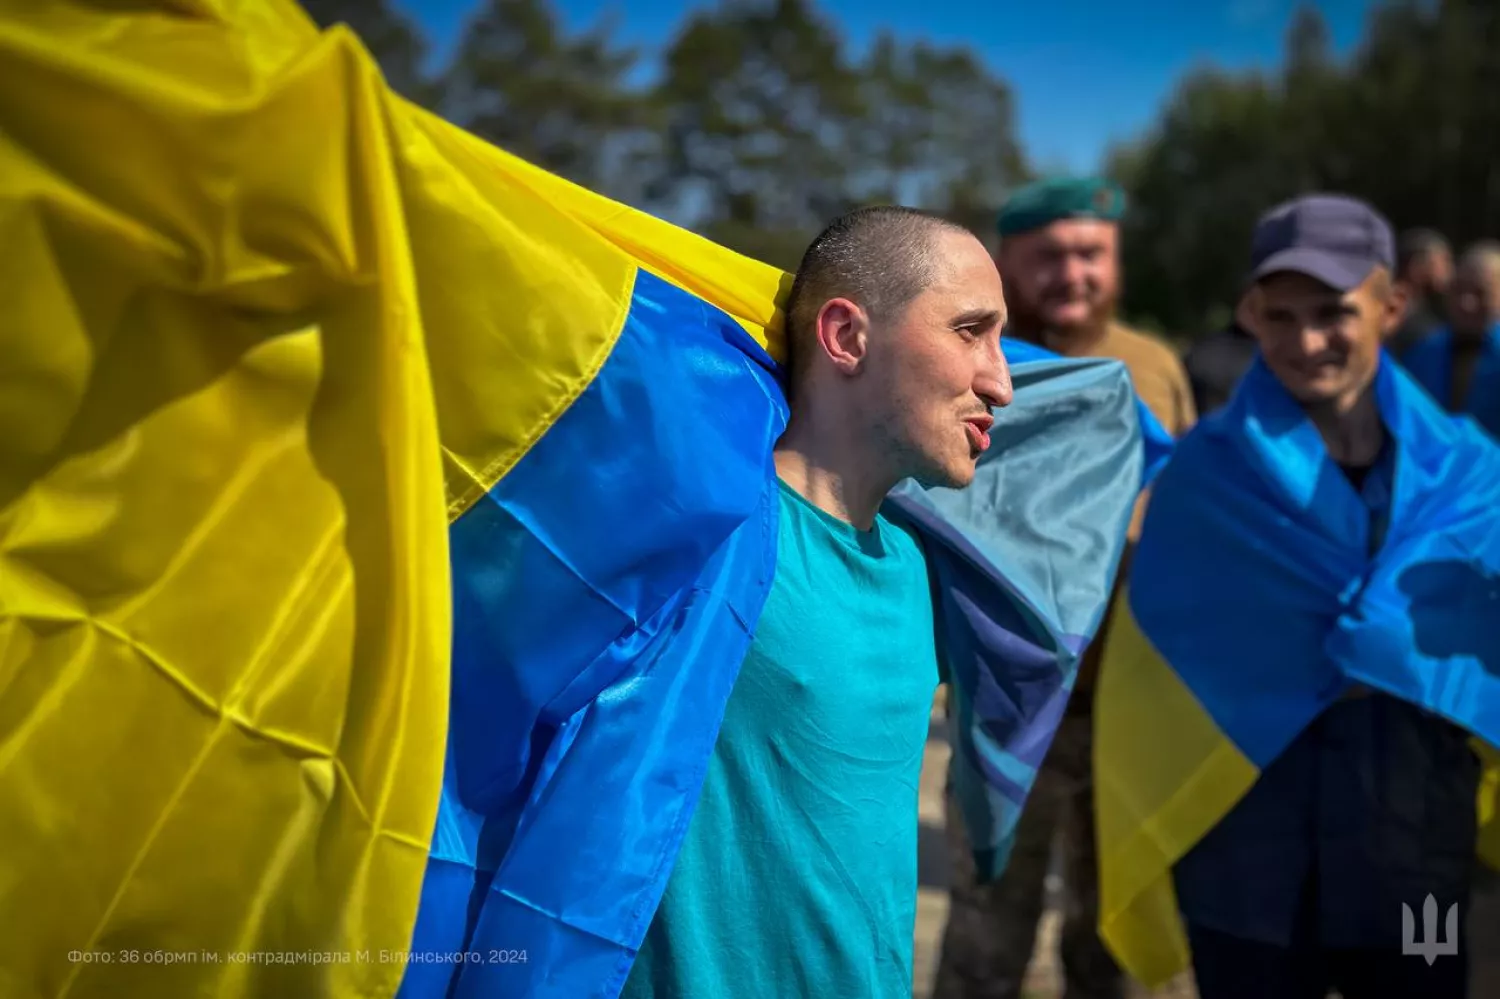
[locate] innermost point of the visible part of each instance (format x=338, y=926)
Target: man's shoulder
x=1144, y=354
x=1432, y=343
x=1157, y=373
x=902, y=538
x=1141, y=346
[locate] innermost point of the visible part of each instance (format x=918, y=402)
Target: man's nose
x=1313, y=340
x=1073, y=270
x=993, y=383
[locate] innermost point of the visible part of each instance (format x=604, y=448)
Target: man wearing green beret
x=1059, y=259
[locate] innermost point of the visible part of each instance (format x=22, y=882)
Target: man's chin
x=956, y=476
x=1315, y=392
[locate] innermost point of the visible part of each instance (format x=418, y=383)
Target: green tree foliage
x=761, y=113
x=772, y=128
x=759, y=128
x=1411, y=122
x=398, y=47
x=941, y=131
x=558, y=101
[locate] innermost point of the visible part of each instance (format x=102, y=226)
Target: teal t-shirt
x=798, y=874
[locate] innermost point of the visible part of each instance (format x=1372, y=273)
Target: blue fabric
x=1157, y=443
x=1303, y=826
x=1371, y=806
x=1430, y=362
x=1271, y=584
x=605, y=594
x=1024, y=562
x=799, y=872
x=1254, y=575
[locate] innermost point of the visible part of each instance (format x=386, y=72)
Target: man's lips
x=978, y=428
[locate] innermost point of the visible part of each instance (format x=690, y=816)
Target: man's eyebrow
x=976, y=317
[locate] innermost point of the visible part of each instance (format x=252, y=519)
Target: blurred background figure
x=1460, y=364
x=1216, y=363
x=1059, y=254
x=1424, y=267
x=1059, y=259
x=1291, y=866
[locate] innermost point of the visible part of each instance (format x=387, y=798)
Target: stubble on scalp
x=880, y=258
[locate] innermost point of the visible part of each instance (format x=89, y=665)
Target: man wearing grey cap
x=1371, y=801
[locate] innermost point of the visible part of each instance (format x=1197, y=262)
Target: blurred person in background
x=1424, y=269
x=1059, y=259
x=1460, y=365
x=1216, y=363
x=1297, y=889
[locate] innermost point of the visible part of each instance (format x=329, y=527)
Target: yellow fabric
x=746, y=289
x=1163, y=776
x=486, y=228
x=1489, y=804
x=266, y=329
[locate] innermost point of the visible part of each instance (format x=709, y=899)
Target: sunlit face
x=1474, y=298
x=1065, y=276
x=935, y=370
x=1322, y=345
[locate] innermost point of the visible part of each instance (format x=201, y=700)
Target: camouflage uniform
x=992, y=928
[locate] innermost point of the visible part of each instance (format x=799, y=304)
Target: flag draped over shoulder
x=1254, y=603
x=383, y=520
x=1024, y=561
x=265, y=325
x=584, y=717
x=1430, y=362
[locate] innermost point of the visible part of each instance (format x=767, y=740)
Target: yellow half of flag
x=263, y=324
x=1165, y=774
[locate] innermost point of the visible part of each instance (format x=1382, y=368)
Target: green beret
x=1045, y=201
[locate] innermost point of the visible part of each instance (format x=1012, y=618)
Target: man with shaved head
x=1460, y=365
x=798, y=873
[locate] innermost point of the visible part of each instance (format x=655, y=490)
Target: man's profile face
x=1323, y=345
x=1474, y=298
x=1064, y=276
x=936, y=369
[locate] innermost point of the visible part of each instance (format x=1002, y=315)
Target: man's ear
x=843, y=334
x=1395, y=307
x=1249, y=310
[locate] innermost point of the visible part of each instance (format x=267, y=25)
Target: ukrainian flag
x=603, y=607
x=382, y=522
x=1254, y=603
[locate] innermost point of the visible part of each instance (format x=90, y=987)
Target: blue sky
x=1085, y=72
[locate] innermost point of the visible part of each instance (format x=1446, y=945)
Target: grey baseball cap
x=1331, y=238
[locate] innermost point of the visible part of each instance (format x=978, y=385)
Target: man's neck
x=828, y=473
x=1351, y=428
